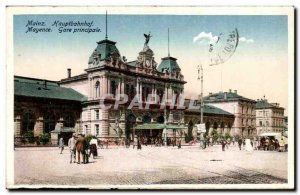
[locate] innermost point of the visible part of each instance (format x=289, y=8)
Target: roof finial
x=168, y=44
x=106, y=25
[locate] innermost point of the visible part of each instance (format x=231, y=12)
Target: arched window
x=97, y=89
x=49, y=122
x=146, y=119
x=69, y=120
x=28, y=122
x=160, y=119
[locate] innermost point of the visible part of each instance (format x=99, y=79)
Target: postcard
x=150, y=97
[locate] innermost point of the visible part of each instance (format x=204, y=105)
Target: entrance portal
x=130, y=122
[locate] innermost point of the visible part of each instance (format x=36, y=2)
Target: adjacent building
x=269, y=117
x=41, y=106
x=242, y=108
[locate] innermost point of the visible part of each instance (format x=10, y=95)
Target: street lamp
x=200, y=77
x=201, y=95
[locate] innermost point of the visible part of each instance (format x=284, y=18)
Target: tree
x=214, y=135
x=44, y=138
x=227, y=136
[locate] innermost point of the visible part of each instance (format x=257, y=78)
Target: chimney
x=230, y=91
x=225, y=95
x=69, y=72
x=235, y=91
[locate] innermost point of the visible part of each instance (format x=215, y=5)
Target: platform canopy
x=159, y=126
x=64, y=130
x=270, y=134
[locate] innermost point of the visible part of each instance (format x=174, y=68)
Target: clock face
x=224, y=47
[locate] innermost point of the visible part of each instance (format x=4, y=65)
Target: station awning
x=158, y=126
x=270, y=134
x=64, y=130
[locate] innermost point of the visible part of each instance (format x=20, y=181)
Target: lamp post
x=165, y=126
x=200, y=77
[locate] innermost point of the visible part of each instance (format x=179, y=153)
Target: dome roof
x=168, y=63
x=104, y=49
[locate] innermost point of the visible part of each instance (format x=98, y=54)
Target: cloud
x=204, y=37
x=243, y=39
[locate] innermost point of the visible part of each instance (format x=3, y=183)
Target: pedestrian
x=139, y=145
x=248, y=145
x=179, y=143
x=135, y=141
x=81, y=148
x=276, y=144
x=223, y=142
x=240, y=142
x=227, y=143
x=61, y=145
x=93, y=147
x=71, y=145
x=266, y=144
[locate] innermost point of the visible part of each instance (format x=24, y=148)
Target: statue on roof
x=147, y=37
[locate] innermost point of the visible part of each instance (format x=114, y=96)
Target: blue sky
x=261, y=64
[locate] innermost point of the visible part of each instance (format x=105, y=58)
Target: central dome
x=104, y=50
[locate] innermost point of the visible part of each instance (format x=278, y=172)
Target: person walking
x=179, y=143
x=93, y=147
x=71, y=145
x=139, y=145
x=61, y=145
x=223, y=142
x=240, y=142
x=80, y=148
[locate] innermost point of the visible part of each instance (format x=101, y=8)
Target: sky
x=258, y=67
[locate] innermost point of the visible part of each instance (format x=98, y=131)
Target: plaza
x=151, y=165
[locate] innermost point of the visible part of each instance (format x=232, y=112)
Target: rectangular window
x=260, y=123
x=97, y=114
x=97, y=130
x=85, y=129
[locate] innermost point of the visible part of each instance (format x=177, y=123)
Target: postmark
x=224, y=47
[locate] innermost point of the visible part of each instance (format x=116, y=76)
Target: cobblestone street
x=151, y=165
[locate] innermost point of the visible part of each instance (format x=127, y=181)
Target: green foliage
x=228, y=137
x=29, y=136
x=88, y=138
x=214, y=135
x=44, y=138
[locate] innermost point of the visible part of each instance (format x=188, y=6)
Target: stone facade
x=43, y=116
x=244, y=124
x=269, y=117
x=113, y=75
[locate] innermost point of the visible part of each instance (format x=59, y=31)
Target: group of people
x=80, y=147
x=273, y=144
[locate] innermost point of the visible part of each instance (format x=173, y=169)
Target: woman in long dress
x=248, y=146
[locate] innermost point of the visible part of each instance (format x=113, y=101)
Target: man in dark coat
x=81, y=145
x=240, y=142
